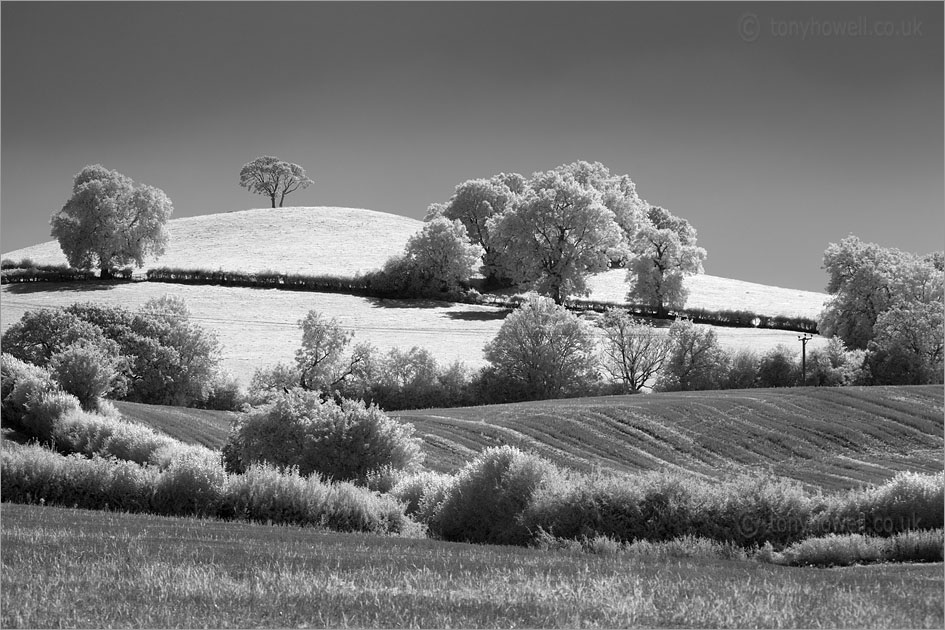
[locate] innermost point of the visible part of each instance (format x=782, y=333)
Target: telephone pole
x=804, y=339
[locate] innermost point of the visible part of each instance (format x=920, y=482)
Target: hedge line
x=371, y=285
x=54, y=273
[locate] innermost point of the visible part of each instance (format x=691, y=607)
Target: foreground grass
x=78, y=568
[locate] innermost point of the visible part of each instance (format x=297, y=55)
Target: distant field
x=77, y=568
x=259, y=326
x=825, y=437
x=195, y=426
x=345, y=241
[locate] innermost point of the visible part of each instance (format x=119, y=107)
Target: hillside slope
x=345, y=241
x=316, y=240
x=826, y=437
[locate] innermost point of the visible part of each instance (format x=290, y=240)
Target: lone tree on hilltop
x=270, y=176
x=111, y=222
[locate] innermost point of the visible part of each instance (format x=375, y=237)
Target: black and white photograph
x=431, y=314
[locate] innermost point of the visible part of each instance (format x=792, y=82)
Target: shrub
x=848, y=549
x=425, y=489
x=44, y=413
x=30, y=474
x=108, y=436
x=12, y=372
x=86, y=371
x=266, y=494
x=191, y=485
x=485, y=502
x=224, y=394
x=21, y=409
x=908, y=501
x=341, y=441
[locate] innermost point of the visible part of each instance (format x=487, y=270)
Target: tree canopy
x=110, y=222
x=270, y=176
x=664, y=252
x=557, y=233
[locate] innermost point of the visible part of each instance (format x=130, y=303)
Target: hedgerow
x=195, y=484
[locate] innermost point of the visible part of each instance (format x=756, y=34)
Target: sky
x=775, y=129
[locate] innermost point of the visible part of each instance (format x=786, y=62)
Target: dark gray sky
x=772, y=147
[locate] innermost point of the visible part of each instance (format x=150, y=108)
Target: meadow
x=258, y=327
x=77, y=568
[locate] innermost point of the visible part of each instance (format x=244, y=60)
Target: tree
x=184, y=356
x=834, y=365
x=908, y=346
x=696, y=361
x=39, y=335
x=474, y=203
x=634, y=350
x=664, y=252
x=321, y=360
x=440, y=255
x=270, y=176
x=110, y=222
x=860, y=279
x=558, y=232
x=778, y=368
x=544, y=348
x=889, y=303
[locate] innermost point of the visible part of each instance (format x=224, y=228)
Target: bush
x=266, y=494
x=32, y=474
x=344, y=441
x=421, y=492
x=663, y=506
x=86, y=371
x=191, y=485
x=909, y=501
x=45, y=412
x=224, y=394
x=778, y=368
x=485, y=502
x=12, y=372
x=849, y=549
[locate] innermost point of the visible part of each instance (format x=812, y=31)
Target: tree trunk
x=106, y=273
x=273, y=198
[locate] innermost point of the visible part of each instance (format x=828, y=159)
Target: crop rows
x=825, y=437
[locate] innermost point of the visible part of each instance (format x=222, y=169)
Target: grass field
x=259, y=326
x=828, y=438
x=825, y=437
x=194, y=426
x=75, y=568
x=344, y=241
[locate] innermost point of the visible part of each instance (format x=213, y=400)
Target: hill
x=345, y=241
x=258, y=327
x=323, y=240
x=825, y=437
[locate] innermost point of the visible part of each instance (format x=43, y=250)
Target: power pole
x=804, y=339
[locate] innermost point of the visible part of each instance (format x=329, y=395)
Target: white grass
x=345, y=241
x=319, y=240
x=258, y=326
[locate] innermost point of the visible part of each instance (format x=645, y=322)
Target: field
x=830, y=438
x=345, y=241
x=260, y=326
x=78, y=568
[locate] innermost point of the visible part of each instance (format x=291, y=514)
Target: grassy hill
x=345, y=241
x=259, y=326
x=824, y=437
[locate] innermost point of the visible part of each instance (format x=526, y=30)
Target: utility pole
x=804, y=339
